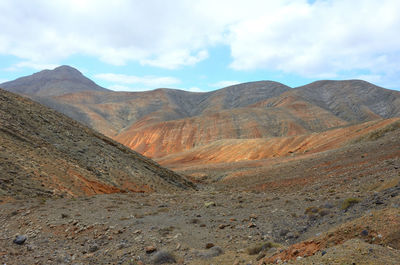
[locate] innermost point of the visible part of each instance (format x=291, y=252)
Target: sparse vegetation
x=314, y=211
x=42, y=200
x=256, y=249
x=311, y=210
x=347, y=203
x=377, y=134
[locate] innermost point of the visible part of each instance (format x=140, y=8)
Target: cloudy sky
x=203, y=45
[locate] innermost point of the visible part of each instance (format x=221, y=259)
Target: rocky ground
x=336, y=207
x=203, y=227
x=45, y=153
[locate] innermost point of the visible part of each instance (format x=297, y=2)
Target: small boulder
x=93, y=248
x=150, y=249
x=210, y=253
x=283, y=232
x=291, y=235
x=209, y=245
x=20, y=239
x=222, y=226
x=163, y=257
x=64, y=215
x=210, y=204
x=251, y=225
x=253, y=216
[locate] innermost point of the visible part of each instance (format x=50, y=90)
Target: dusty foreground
x=208, y=226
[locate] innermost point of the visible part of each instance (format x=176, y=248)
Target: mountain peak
x=66, y=68
x=61, y=80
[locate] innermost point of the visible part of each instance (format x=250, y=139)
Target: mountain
x=112, y=112
x=63, y=79
x=352, y=100
x=230, y=151
x=157, y=139
x=46, y=153
x=166, y=123
x=306, y=175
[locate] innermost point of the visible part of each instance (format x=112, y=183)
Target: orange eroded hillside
x=233, y=150
x=157, y=139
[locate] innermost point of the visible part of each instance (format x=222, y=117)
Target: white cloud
x=370, y=78
x=387, y=80
x=159, y=33
x=175, y=59
x=320, y=40
x=222, y=84
x=31, y=65
x=125, y=88
x=146, y=81
x=194, y=89
x=3, y=80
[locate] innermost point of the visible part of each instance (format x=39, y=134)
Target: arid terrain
x=44, y=152
x=258, y=173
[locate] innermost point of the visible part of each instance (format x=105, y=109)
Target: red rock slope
x=45, y=153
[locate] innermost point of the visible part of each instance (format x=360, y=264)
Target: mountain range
x=256, y=173
x=166, y=123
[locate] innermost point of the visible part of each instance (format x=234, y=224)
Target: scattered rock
x=93, y=248
x=253, y=216
x=20, y=239
x=30, y=247
x=210, y=253
x=122, y=245
x=324, y=212
x=195, y=221
x=327, y=206
x=283, y=232
x=251, y=225
x=150, y=249
x=222, y=226
x=209, y=245
x=64, y=215
x=162, y=257
x=291, y=235
x=210, y=204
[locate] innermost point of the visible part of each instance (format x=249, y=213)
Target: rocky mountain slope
x=219, y=152
x=113, y=112
x=157, y=139
x=63, y=79
x=309, y=175
x=352, y=100
x=44, y=153
x=173, y=123
x=336, y=207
